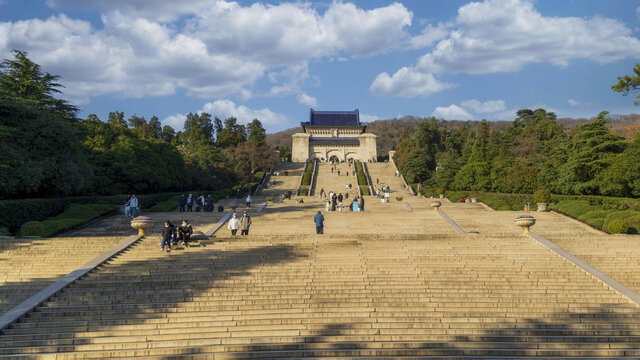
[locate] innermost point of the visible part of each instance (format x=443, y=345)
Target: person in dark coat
x=340, y=198
x=167, y=233
x=334, y=199
x=209, y=203
x=361, y=205
x=182, y=202
x=319, y=220
x=245, y=222
x=184, y=233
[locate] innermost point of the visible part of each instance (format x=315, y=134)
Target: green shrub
x=269, y=198
x=304, y=191
x=399, y=198
x=618, y=226
x=306, y=179
x=76, y=214
x=440, y=191
x=31, y=228
x=542, y=196
x=4, y=231
x=14, y=213
x=365, y=190
x=474, y=194
x=631, y=217
x=167, y=205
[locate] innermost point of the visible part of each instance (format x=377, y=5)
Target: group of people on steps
x=172, y=234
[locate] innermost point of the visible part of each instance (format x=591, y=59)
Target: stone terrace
x=384, y=283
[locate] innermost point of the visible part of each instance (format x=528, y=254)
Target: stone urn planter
x=525, y=222
x=435, y=205
x=474, y=200
x=543, y=207
x=141, y=223
x=441, y=196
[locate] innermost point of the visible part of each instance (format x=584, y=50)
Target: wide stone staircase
x=386, y=176
x=29, y=265
x=387, y=283
x=285, y=178
x=331, y=181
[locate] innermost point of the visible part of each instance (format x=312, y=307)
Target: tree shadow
x=163, y=283
x=599, y=333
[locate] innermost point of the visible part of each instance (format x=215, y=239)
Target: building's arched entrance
x=334, y=159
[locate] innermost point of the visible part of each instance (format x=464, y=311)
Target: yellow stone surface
x=386, y=282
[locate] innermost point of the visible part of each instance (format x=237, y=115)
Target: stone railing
x=301, y=177
x=263, y=184
x=314, y=177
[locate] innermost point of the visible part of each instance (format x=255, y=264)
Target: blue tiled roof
x=333, y=118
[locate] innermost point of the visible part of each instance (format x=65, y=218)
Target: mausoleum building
x=333, y=136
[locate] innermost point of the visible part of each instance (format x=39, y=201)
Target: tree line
x=533, y=152
x=48, y=151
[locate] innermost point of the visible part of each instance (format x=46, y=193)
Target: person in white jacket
x=234, y=224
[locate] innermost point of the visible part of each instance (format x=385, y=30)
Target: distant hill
x=389, y=132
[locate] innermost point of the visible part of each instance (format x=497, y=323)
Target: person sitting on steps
x=184, y=233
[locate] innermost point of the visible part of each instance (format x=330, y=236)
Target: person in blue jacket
x=319, y=220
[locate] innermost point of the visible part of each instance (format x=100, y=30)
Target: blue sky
x=273, y=60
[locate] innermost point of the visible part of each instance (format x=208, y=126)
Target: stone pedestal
x=141, y=223
x=368, y=150
x=525, y=222
x=300, y=147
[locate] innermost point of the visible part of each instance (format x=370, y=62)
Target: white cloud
x=505, y=35
x=487, y=107
x=218, y=48
x=226, y=108
x=407, y=82
x=573, y=102
x=428, y=36
x=451, y=112
x=305, y=99
x=368, y=118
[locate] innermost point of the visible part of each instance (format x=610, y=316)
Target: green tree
x=117, y=118
x=629, y=84
x=418, y=166
x=198, y=128
x=257, y=134
x=232, y=134
x=21, y=78
x=622, y=177
x=593, y=148
x=167, y=133
x=40, y=152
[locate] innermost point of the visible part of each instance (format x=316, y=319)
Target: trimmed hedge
x=76, y=214
x=362, y=178
x=365, y=190
x=14, y=213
